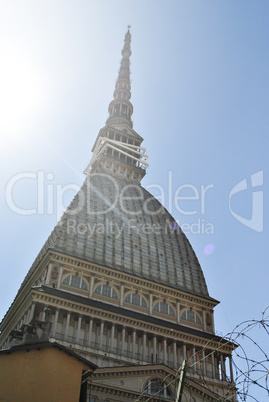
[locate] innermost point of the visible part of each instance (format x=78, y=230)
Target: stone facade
x=122, y=283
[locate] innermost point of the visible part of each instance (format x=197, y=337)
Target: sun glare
x=20, y=93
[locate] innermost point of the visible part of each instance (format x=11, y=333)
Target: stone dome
x=120, y=225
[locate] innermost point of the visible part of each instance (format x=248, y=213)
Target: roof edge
x=46, y=345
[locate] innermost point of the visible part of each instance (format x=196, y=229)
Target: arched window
x=158, y=387
x=106, y=290
x=138, y=300
x=189, y=315
x=164, y=308
x=75, y=281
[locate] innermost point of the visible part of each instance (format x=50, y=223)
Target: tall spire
x=120, y=109
x=117, y=150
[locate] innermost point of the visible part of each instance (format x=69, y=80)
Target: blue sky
x=200, y=77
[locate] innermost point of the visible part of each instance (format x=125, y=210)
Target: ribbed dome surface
x=120, y=225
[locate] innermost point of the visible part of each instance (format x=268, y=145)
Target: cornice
x=112, y=317
x=125, y=371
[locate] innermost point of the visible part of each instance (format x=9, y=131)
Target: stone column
x=101, y=334
x=60, y=277
x=204, y=320
x=144, y=345
x=31, y=312
x=122, y=339
x=194, y=358
x=78, y=328
x=213, y=364
x=168, y=354
x=128, y=341
x=178, y=312
x=165, y=351
x=28, y=315
x=25, y=318
x=178, y=355
x=175, y=354
x=118, y=340
x=159, y=350
x=150, y=303
x=121, y=294
x=133, y=343
x=66, y=326
x=90, y=331
x=154, y=348
x=91, y=286
x=184, y=351
x=220, y=367
x=112, y=337
x=48, y=274
x=203, y=362
x=231, y=368
x=55, y=321
x=223, y=367
x=44, y=313
x=213, y=322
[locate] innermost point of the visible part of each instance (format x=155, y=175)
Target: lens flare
x=209, y=249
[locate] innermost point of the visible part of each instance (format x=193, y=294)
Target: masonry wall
x=40, y=375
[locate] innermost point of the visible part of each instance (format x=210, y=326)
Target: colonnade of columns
x=129, y=342
x=141, y=346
